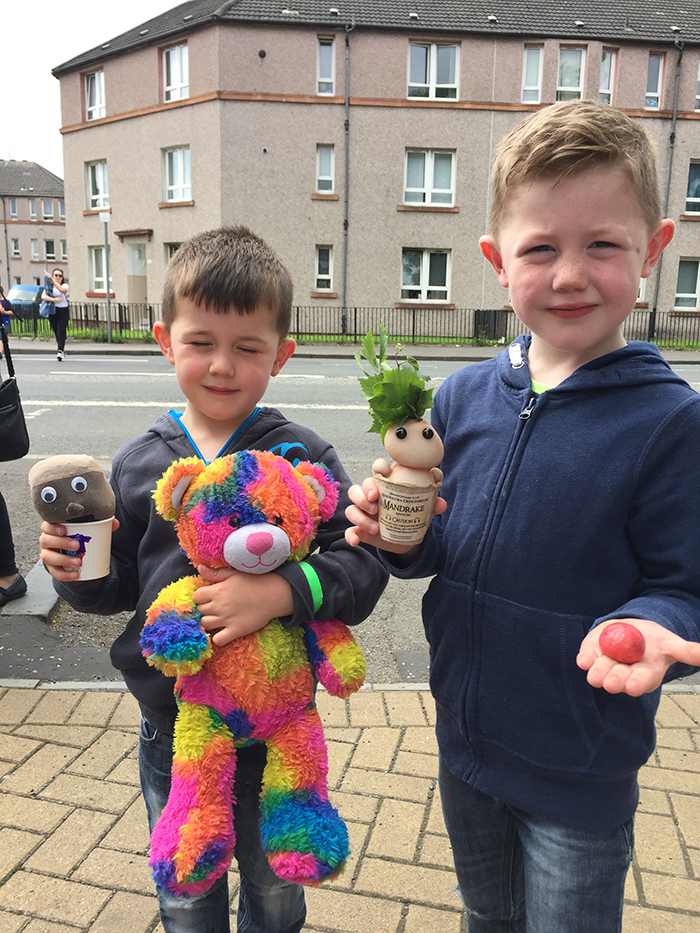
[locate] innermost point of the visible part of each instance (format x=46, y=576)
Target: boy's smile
x=223, y=363
x=572, y=253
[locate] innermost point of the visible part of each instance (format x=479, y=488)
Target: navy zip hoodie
x=146, y=554
x=564, y=510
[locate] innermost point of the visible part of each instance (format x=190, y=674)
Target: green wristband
x=314, y=584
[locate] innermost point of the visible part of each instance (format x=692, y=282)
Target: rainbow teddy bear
x=251, y=510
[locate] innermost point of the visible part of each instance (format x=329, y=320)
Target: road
x=94, y=404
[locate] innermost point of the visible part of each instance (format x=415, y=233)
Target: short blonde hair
x=228, y=270
x=564, y=139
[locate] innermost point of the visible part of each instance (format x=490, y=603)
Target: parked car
x=25, y=300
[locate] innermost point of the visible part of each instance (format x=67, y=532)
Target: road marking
x=86, y=372
x=86, y=403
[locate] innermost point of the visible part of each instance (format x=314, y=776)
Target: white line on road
x=87, y=403
x=84, y=372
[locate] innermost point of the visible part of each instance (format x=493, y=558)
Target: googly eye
x=428, y=433
x=49, y=494
x=401, y=433
x=79, y=484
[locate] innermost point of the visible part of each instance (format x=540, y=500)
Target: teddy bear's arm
x=173, y=639
x=336, y=658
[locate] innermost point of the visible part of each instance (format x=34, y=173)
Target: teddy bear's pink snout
x=259, y=542
x=256, y=548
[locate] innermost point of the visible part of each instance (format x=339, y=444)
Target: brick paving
x=73, y=839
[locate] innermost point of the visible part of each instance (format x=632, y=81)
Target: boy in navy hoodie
x=225, y=316
x=569, y=500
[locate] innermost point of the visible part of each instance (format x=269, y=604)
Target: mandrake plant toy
x=252, y=511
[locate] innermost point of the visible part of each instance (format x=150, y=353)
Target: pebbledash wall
x=260, y=101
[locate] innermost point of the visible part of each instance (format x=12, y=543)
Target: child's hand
x=53, y=543
x=663, y=648
x=365, y=528
x=235, y=603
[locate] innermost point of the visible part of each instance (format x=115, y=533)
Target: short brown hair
x=565, y=139
x=229, y=269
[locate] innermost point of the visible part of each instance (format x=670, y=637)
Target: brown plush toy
x=71, y=488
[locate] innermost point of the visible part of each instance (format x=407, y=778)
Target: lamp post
x=104, y=218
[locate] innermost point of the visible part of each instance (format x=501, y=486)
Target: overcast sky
x=38, y=35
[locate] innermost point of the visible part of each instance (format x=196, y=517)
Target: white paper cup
x=94, y=542
x=404, y=510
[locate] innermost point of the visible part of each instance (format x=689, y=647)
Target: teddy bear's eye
x=235, y=521
x=277, y=520
x=49, y=494
x=78, y=484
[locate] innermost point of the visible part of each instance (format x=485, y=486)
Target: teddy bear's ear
x=324, y=485
x=173, y=485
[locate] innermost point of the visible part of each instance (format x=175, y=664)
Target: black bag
x=14, y=439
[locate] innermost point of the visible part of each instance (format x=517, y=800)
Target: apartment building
x=357, y=138
x=33, y=222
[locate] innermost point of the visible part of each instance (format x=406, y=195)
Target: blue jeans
x=266, y=903
x=520, y=873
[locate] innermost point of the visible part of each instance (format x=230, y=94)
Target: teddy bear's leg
x=303, y=836
x=192, y=842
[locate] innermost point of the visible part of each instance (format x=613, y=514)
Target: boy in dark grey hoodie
x=226, y=311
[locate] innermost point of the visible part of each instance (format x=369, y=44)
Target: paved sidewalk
x=73, y=841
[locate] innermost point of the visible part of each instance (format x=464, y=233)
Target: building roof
x=650, y=21
x=21, y=179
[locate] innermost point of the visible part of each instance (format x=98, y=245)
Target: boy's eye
x=603, y=244
x=542, y=248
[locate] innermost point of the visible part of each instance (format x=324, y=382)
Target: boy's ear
x=658, y=243
x=286, y=348
x=488, y=247
x=164, y=341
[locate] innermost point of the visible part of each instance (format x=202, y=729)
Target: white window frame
x=606, y=92
x=424, y=287
x=169, y=250
x=15, y=247
x=429, y=88
x=94, y=81
x=652, y=95
x=531, y=92
x=35, y=250
x=692, y=201
x=50, y=253
x=428, y=194
x=176, y=86
x=64, y=250
x=62, y=211
x=323, y=253
x=177, y=177
x=688, y=296
x=697, y=90
x=13, y=208
x=642, y=290
x=325, y=71
x=32, y=208
x=325, y=181
x=97, y=181
x=18, y=279
x=97, y=282
x=571, y=91
x=47, y=214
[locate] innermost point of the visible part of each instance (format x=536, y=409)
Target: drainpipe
x=672, y=142
x=7, y=245
x=344, y=318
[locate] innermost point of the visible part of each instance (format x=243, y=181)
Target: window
x=176, y=73
x=35, y=250
x=37, y=280
x=50, y=249
x=607, y=76
x=324, y=268
x=177, y=174
x=429, y=177
x=687, y=285
x=532, y=74
x=47, y=210
x=170, y=250
x=95, y=95
x=570, y=74
x=325, y=159
x=424, y=275
x=32, y=209
x=697, y=91
x=98, y=187
x=13, y=208
x=692, y=204
x=642, y=290
x=97, y=269
x=325, y=70
x=18, y=280
x=432, y=70
x=15, y=247
x=62, y=211
x=64, y=250
x=655, y=69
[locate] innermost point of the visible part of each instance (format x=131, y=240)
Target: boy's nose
x=569, y=273
x=259, y=542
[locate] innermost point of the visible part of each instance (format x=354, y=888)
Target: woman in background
x=57, y=291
